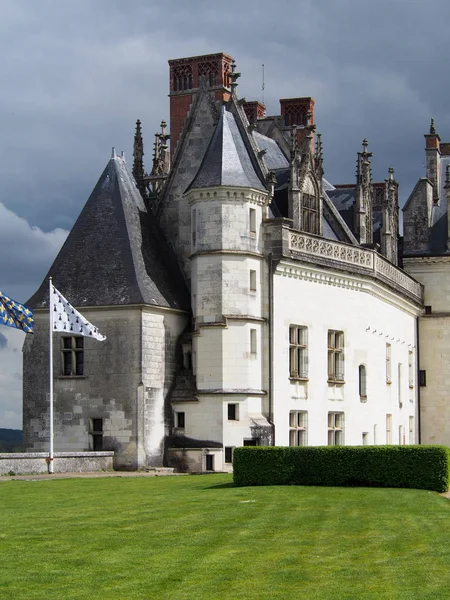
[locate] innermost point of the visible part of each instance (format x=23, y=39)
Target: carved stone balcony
x=349, y=258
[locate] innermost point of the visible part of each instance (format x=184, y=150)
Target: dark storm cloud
x=75, y=77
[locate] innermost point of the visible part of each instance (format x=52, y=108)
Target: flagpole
x=50, y=454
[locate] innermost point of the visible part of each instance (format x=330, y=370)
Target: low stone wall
x=63, y=462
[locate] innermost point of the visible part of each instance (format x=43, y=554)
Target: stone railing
x=368, y=260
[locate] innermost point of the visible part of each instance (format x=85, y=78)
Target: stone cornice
x=231, y=392
x=355, y=282
x=227, y=194
x=227, y=252
x=143, y=307
x=426, y=260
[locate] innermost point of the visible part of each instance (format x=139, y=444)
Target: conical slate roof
x=115, y=254
x=227, y=161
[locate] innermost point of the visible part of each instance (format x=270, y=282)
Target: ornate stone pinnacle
x=432, y=127
x=234, y=76
x=391, y=174
x=365, y=143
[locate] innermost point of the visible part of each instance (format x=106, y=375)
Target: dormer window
x=310, y=214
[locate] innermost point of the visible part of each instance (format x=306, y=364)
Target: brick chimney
x=294, y=111
x=254, y=110
x=433, y=154
x=186, y=76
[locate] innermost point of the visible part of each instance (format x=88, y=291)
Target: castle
x=246, y=300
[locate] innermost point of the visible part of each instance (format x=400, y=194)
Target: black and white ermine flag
x=66, y=319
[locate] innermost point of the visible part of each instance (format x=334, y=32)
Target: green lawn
x=199, y=537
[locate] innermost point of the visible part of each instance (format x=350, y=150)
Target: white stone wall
x=370, y=317
x=434, y=347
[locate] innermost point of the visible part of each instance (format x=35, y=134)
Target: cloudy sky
x=75, y=76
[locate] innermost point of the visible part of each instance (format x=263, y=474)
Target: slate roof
x=343, y=199
x=274, y=158
x=227, y=161
x=115, y=253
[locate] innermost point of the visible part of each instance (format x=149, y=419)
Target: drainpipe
x=418, y=383
x=271, y=347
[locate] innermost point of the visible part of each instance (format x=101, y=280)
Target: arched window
x=362, y=383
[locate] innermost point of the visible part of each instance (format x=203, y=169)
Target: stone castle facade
x=246, y=300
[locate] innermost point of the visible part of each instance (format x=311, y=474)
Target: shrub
x=420, y=467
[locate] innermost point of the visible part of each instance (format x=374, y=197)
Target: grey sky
x=75, y=77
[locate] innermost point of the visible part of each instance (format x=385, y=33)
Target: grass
x=199, y=537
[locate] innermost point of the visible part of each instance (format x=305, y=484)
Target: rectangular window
x=253, y=346
x=97, y=434
x=335, y=356
x=228, y=454
x=252, y=220
x=422, y=378
x=388, y=429
x=72, y=356
x=298, y=351
x=388, y=364
x=335, y=428
x=365, y=438
x=411, y=368
x=401, y=436
x=233, y=412
x=411, y=430
x=298, y=428
x=375, y=436
x=399, y=384
x=180, y=420
x=362, y=374
x=252, y=280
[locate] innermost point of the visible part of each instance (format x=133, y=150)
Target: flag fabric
x=13, y=314
x=68, y=320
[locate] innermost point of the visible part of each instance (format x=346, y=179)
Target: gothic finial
x=294, y=145
x=365, y=143
x=391, y=174
x=113, y=152
x=234, y=76
x=432, y=127
x=319, y=157
x=138, y=158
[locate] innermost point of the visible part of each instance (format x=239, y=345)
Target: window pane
x=67, y=367
x=79, y=356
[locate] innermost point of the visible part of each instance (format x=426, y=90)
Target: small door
x=209, y=462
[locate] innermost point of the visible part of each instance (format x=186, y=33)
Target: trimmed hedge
x=420, y=467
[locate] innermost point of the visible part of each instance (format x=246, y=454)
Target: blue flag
x=15, y=315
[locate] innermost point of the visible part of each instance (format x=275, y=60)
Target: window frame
x=388, y=429
x=336, y=356
x=180, y=419
x=72, y=356
x=388, y=363
x=232, y=411
x=362, y=382
x=298, y=428
x=310, y=213
x=336, y=428
x=298, y=352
